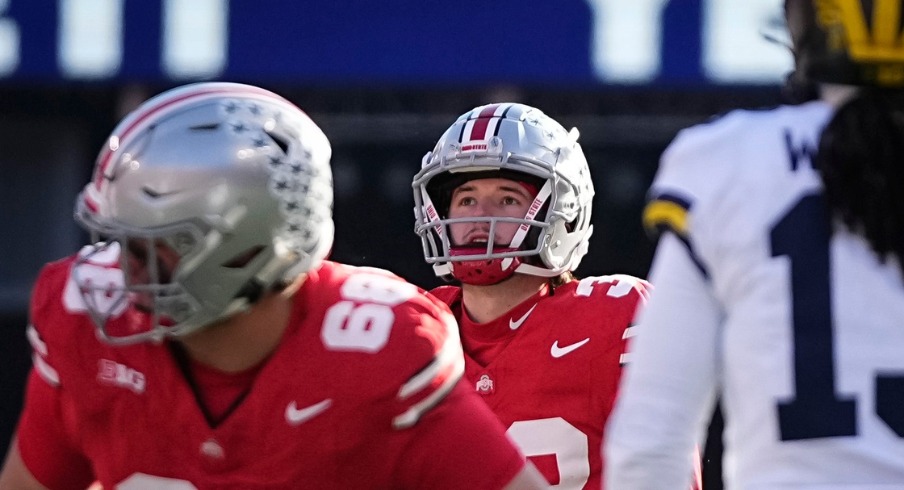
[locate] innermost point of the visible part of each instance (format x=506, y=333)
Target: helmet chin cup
x=483, y=272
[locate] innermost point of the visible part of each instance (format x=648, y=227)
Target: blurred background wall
x=384, y=80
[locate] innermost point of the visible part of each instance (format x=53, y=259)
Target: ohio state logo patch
x=484, y=385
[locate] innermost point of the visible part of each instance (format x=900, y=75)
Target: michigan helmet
x=232, y=178
x=516, y=142
x=852, y=42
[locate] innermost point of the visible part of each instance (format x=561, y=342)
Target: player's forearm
x=527, y=479
x=669, y=388
x=15, y=475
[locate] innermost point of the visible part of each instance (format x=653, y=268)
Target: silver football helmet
x=518, y=142
x=214, y=192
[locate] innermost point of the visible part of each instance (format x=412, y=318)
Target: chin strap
x=532, y=211
x=534, y=270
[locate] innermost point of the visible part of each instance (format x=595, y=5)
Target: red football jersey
x=364, y=391
x=550, y=368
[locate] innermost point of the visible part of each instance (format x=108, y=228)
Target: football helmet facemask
x=516, y=142
x=215, y=193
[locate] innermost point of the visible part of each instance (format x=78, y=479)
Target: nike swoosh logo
x=515, y=324
x=296, y=416
x=558, y=352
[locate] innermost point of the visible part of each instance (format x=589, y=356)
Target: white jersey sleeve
x=671, y=377
x=795, y=324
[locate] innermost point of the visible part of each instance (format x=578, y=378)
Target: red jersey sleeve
x=435, y=339
x=44, y=444
x=459, y=444
x=402, y=348
x=398, y=341
x=47, y=448
x=456, y=441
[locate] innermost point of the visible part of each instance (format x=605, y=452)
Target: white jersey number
x=555, y=436
x=140, y=481
x=363, y=320
x=619, y=285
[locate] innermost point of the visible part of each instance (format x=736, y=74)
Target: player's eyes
x=466, y=201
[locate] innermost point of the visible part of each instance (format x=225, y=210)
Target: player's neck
x=244, y=340
x=487, y=303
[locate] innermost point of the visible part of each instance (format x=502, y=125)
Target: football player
x=502, y=205
x=207, y=343
x=778, y=277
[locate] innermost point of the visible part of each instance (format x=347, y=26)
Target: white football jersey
x=797, y=328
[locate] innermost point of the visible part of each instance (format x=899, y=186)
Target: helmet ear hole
x=279, y=140
x=242, y=259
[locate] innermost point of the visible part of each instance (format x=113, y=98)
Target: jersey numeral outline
x=555, y=436
x=364, y=319
x=142, y=481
